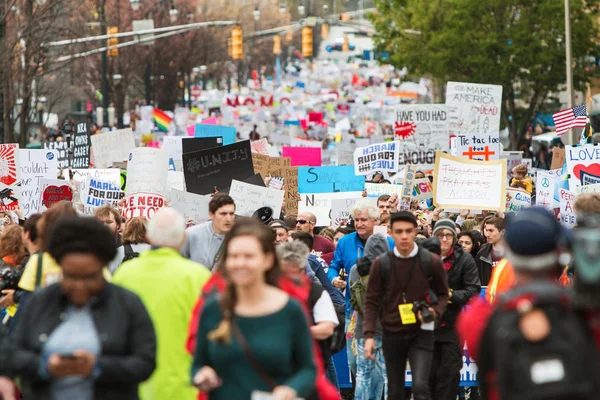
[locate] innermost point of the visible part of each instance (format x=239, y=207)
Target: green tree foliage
x=518, y=44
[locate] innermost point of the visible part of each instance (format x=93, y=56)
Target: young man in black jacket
x=463, y=281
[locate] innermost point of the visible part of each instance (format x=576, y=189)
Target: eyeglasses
x=447, y=236
x=301, y=221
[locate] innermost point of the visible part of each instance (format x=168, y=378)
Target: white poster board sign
x=567, y=213
x=194, y=207
x=112, y=146
x=341, y=208
x=376, y=157
x=583, y=165
x=544, y=188
x=249, y=198
x=479, y=147
x=147, y=171
x=99, y=193
x=517, y=199
x=474, y=108
x=320, y=204
x=33, y=166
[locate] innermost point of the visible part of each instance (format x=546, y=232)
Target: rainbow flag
x=162, y=120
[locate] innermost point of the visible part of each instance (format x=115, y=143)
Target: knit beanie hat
x=445, y=224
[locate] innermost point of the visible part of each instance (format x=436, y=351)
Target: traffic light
x=277, y=45
x=307, y=41
x=346, y=44
x=324, y=31
x=113, y=30
x=237, y=44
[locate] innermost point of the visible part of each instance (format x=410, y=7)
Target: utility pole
x=573, y=139
x=104, y=64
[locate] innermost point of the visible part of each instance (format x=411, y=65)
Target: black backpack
x=563, y=366
x=130, y=254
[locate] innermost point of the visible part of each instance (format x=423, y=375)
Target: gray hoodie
x=377, y=245
x=202, y=244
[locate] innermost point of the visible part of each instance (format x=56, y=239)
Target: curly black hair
x=82, y=235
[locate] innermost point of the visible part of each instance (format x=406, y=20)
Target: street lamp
x=135, y=4
x=256, y=14
x=173, y=14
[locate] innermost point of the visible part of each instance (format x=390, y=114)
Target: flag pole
x=569, y=55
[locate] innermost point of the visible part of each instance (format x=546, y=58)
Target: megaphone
x=264, y=215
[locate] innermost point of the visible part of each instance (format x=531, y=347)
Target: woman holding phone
x=253, y=339
x=83, y=338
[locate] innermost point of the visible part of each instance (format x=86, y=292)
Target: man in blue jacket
x=349, y=249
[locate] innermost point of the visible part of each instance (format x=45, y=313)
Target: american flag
x=575, y=117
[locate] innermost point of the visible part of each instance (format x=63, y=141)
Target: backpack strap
x=128, y=249
x=38, y=275
x=425, y=261
x=385, y=265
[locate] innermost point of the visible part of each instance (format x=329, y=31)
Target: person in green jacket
x=169, y=285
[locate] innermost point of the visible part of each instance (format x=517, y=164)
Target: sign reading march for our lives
x=226, y=132
x=583, y=165
x=517, y=199
x=147, y=177
x=422, y=130
x=474, y=108
x=249, y=198
x=476, y=185
x=33, y=166
x=113, y=146
x=479, y=147
x=100, y=193
x=376, y=157
x=329, y=180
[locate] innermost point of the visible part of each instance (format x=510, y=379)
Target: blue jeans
x=331, y=373
x=371, y=376
x=351, y=356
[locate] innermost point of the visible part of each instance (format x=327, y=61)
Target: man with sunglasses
x=306, y=222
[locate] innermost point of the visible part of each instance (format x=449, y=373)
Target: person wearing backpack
x=370, y=374
x=407, y=291
x=533, y=343
x=463, y=280
x=134, y=241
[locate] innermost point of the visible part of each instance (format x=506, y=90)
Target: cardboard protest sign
x=189, y=145
x=544, y=187
x=52, y=191
x=260, y=146
x=99, y=193
x=583, y=163
x=260, y=164
x=303, y=156
x=474, y=108
x=10, y=191
x=422, y=189
x=480, y=147
x=517, y=199
x=320, y=204
x=33, y=166
x=378, y=189
x=341, y=209
x=226, y=132
x=204, y=170
x=194, y=207
x=588, y=189
x=460, y=183
x=422, y=130
x=376, y=157
x=81, y=147
x=147, y=172
x=249, y=198
x=113, y=146
x=329, y=180
x=289, y=175
x=61, y=150
x=558, y=158
x=567, y=213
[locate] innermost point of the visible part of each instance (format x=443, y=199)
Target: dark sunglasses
x=301, y=221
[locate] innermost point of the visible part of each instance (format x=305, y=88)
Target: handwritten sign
x=582, y=160
x=517, y=199
x=99, y=193
x=216, y=167
x=544, y=187
x=194, y=207
x=303, y=156
x=558, y=158
x=460, y=183
x=422, y=130
x=10, y=191
x=81, y=147
x=113, y=146
x=588, y=189
x=567, y=213
x=52, y=191
x=143, y=205
x=320, y=204
x=249, y=198
x=147, y=171
x=376, y=157
x=289, y=175
x=474, y=108
x=341, y=209
x=329, y=179
x=33, y=166
x=378, y=189
x=62, y=152
x=480, y=147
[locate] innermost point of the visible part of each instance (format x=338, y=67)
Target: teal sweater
x=280, y=343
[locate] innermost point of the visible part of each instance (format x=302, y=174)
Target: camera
x=424, y=308
x=10, y=278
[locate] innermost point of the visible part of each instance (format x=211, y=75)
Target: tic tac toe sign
x=478, y=147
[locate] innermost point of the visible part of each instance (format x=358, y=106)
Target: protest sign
x=588, y=189
x=260, y=146
x=466, y=184
x=473, y=108
x=345, y=153
x=213, y=168
x=407, y=186
x=567, y=213
x=582, y=160
x=81, y=147
x=111, y=175
x=10, y=191
x=480, y=147
x=589, y=179
x=544, y=188
x=329, y=179
x=52, y=191
x=147, y=172
x=289, y=175
x=422, y=189
x=260, y=164
x=341, y=209
x=33, y=166
x=189, y=145
x=303, y=156
x=61, y=150
x=226, y=132
x=422, y=130
x=558, y=158
x=378, y=189
x=113, y=146
x=376, y=157
x=298, y=142
x=249, y=198
x=320, y=204
x=143, y=205
x=517, y=199
x=175, y=180
x=173, y=146
x=194, y=207
x=513, y=158
x=99, y=193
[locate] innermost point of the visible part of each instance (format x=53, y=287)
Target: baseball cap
x=277, y=223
